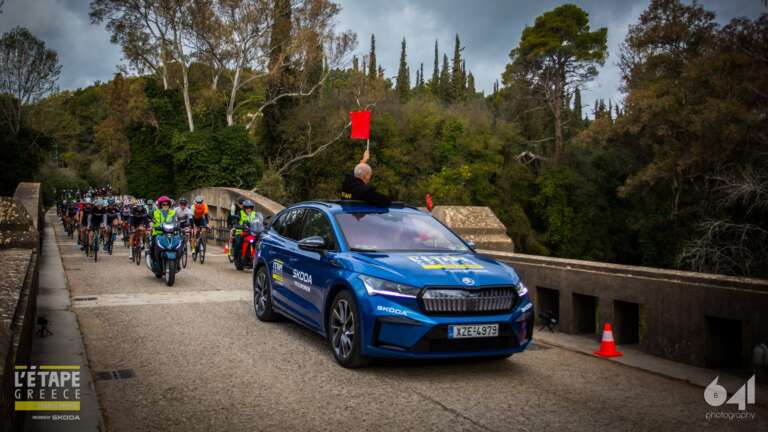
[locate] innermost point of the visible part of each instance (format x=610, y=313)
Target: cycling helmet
x=163, y=199
x=199, y=199
x=183, y=200
x=87, y=200
x=248, y=204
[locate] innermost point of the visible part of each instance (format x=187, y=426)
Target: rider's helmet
x=248, y=204
x=183, y=200
x=163, y=199
x=199, y=199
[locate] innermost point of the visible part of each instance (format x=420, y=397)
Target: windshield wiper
x=363, y=250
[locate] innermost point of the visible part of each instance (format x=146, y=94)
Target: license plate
x=473, y=331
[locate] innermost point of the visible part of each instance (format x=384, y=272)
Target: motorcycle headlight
x=521, y=289
x=384, y=287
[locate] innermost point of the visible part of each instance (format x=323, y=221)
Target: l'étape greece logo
x=46, y=388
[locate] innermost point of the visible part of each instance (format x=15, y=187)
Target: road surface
x=202, y=361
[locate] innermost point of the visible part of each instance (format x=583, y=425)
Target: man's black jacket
x=352, y=188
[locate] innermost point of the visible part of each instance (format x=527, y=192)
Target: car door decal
x=277, y=270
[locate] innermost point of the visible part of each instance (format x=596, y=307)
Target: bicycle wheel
x=201, y=249
x=96, y=247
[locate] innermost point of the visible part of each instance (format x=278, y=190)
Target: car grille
x=453, y=301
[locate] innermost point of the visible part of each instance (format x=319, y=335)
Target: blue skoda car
x=388, y=282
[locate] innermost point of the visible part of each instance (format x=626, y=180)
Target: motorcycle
x=249, y=240
x=169, y=244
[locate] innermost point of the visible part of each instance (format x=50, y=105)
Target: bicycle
x=95, y=243
x=185, y=240
x=139, y=241
x=109, y=239
x=201, y=238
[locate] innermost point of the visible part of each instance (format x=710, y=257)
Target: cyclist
x=83, y=216
x=138, y=221
x=112, y=219
x=97, y=220
x=199, y=219
x=162, y=214
x=71, y=212
x=248, y=218
x=235, y=213
x=184, y=216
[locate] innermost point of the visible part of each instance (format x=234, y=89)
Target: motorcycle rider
x=162, y=214
x=248, y=219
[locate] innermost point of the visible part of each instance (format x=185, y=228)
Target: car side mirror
x=314, y=243
x=471, y=245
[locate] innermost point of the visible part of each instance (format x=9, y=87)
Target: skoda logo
x=468, y=281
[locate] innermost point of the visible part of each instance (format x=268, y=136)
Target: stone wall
x=477, y=224
x=19, y=266
x=699, y=319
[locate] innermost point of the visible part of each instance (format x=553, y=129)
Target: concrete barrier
x=700, y=319
x=19, y=242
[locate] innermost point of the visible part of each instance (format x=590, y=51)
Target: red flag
x=361, y=124
x=429, y=202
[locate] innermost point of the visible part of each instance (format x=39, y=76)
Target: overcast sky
x=489, y=29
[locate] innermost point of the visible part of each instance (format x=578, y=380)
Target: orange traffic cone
x=608, y=346
x=226, y=249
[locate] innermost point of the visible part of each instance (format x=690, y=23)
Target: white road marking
x=141, y=299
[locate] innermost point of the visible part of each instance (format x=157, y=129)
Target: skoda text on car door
x=388, y=282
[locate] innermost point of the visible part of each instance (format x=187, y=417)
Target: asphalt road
x=203, y=362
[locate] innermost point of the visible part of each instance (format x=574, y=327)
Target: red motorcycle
x=249, y=240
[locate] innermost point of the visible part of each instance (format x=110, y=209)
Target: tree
x=403, y=86
x=28, y=72
x=577, y=106
x=372, y=68
x=142, y=30
x=435, y=72
x=444, y=83
x=471, y=84
x=555, y=56
x=457, y=73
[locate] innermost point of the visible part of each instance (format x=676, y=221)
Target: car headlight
x=521, y=289
x=384, y=287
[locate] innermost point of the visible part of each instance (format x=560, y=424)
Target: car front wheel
x=262, y=296
x=344, y=331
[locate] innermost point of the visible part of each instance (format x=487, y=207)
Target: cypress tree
x=436, y=72
x=445, y=81
x=372, y=67
x=403, y=85
x=457, y=75
x=471, y=84
x=421, y=74
x=577, y=105
x=355, y=64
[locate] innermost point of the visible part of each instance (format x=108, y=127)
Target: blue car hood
x=435, y=269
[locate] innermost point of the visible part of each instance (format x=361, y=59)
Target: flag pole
x=368, y=146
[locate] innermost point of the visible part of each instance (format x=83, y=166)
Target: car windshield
x=397, y=231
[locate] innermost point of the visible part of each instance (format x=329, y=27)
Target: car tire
x=343, y=325
x=262, y=296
